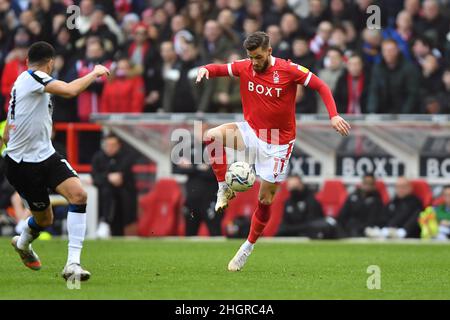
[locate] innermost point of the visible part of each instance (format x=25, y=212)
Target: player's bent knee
x=78, y=197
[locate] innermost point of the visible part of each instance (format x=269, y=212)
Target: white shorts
x=271, y=160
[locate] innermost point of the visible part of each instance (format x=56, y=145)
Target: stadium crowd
x=154, y=47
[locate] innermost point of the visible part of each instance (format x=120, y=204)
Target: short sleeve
x=41, y=78
x=300, y=74
x=235, y=67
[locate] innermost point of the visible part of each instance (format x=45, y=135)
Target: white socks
x=76, y=228
x=247, y=246
x=222, y=184
x=28, y=235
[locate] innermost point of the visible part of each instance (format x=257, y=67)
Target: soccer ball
x=240, y=176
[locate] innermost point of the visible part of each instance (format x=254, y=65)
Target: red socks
x=259, y=220
x=218, y=159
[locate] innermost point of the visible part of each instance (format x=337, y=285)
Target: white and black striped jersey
x=30, y=118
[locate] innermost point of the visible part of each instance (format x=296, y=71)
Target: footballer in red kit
x=268, y=87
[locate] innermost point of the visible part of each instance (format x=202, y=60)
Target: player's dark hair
x=40, y=52
x=447, y=186
x=255, y=40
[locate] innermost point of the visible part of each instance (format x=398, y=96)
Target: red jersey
x=268, y=98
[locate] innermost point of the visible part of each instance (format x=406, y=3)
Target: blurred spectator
x=371, y=46
x=361, y=209
x=99, y=27
x=237, y=6
x=200, y=186
x=277, y=9
x=251, y=24
x=422, y=47
x=330, y=74
x=352, y=36
x=214, y=44
x=351, y=89
x=94, y=19
x=400, y=214
x=290, y=27
x=160, y=20
x=227, y=95
x=338, y=39
x=394, y=84
x=301, y=54
x=413, y=8
x=305, y=99
x=317, y=14
x=431, y=77
x=141, y=49
x=113, y=176
x=339, y=11
x=89, y=101
x=7, y=15
x=170, y=76
x=402, y=34
x=180, y=34
x=432, y=23
x=195, y=17
x=444, y=95
x=303, y=215
x=180, y=92
x=124, y=92
x=435, y=221
x=226, y=20
x=280, y=47
x=15, y=63
x=321, y=41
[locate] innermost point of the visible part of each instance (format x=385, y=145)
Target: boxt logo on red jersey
x=260, y=89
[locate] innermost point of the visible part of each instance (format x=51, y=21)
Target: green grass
x=183, y=269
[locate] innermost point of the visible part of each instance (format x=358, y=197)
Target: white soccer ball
x=240, y=176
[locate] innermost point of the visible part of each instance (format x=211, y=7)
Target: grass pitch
x=185, y=269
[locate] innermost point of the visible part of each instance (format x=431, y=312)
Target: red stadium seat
x=276, y=213
x=422, y=190
x=161, y=210
x=332, y=197
x=243, y=205
x=381, y=187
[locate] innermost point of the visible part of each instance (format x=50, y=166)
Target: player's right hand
x=340, y=125
x=202, y=72
x=100, y=70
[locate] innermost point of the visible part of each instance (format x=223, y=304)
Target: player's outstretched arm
x=337, y=122
x=75, y=87
x=214, y=70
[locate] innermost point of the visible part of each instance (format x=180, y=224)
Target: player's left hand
x=340, y=125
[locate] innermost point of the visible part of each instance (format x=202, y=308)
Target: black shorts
x=33, y=180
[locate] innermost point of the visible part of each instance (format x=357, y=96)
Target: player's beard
x=264, y=67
